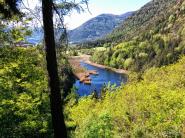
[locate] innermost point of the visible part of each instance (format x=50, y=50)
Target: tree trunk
x=55, y=95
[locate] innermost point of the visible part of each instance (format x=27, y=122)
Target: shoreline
x=120, y=71
x=85, y=59
x=82, y=74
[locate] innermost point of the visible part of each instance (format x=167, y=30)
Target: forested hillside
x=152, y=16
x=154, y=36
x=37, y=97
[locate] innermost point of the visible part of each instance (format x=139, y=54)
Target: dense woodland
x=150, y=45
x=158, y=41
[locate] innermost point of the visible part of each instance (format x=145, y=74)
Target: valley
x=115, y=76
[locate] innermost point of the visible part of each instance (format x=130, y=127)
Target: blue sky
x=97, y=7
x=103, y=6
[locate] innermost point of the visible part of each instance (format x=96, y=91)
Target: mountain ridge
x=37, y=33
x=97, y=27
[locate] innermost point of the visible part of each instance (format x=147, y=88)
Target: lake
x=98, y=81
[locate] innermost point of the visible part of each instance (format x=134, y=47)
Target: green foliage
x=100, y=127
x=128, y=62
x=16, y=34
x=9, y=9
x=152, y=106
x=24, y=95
x=100, y=57
x=24, y=98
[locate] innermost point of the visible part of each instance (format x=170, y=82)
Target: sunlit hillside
x=154, y=36
x=112, y=77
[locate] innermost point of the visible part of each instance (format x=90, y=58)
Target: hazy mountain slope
x=36, y=37
x=97, y=27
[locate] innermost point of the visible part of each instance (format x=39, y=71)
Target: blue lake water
x=98, y=81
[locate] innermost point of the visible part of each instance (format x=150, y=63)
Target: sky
x=97, y=7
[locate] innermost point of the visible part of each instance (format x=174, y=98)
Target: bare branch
x=36, y=16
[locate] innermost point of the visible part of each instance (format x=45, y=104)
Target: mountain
x=153, y=36
x=97, y=27
x=36, y=37
x=151, y=16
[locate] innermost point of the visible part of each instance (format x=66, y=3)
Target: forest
x=155, y=46
x=38, y=97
